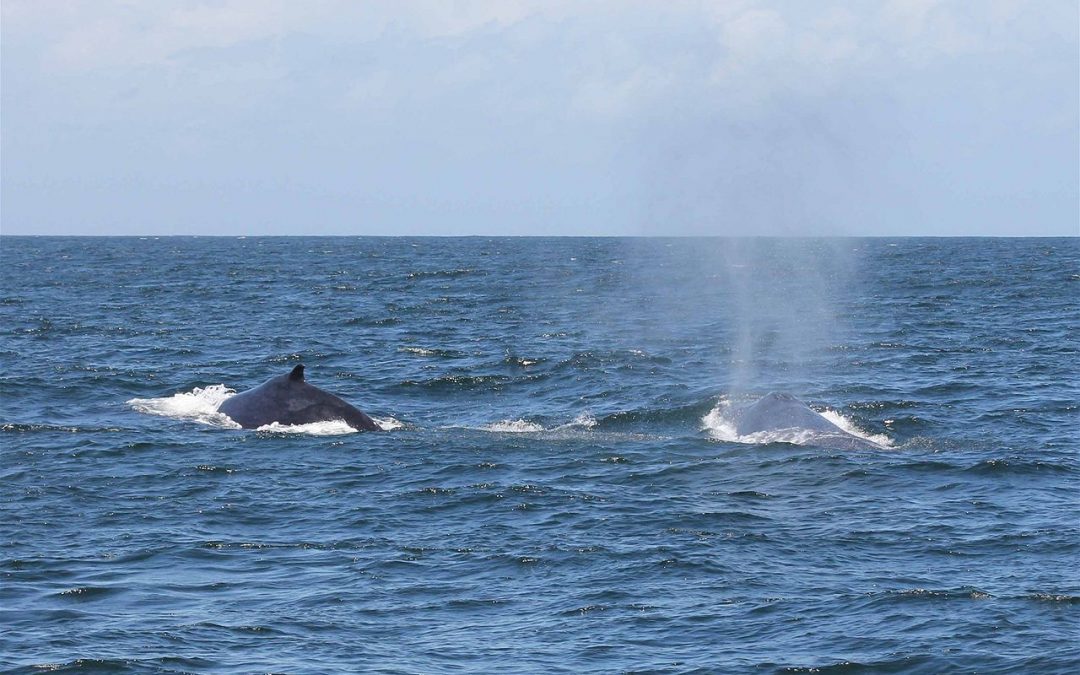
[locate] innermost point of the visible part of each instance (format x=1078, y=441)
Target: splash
x=389, y=423
x=849, y=426
x=518, y=426
x=522, y=426
x=198, y=405
x=582, y=421
x=419, y=351
x=328, y=428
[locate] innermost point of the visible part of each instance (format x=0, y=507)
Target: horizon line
x=545, y=236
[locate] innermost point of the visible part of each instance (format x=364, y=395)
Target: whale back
x=776, y=411
x=290, y=400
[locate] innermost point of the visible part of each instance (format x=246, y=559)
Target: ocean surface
x=559, y=488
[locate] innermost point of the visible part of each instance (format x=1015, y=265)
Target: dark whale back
x=288, y=399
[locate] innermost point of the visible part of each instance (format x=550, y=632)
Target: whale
x=793, y=421
x=288, y=399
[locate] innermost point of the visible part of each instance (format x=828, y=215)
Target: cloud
x=756, y=48
x=708, y=116
x=116, y=33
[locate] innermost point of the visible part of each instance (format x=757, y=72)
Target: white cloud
x=606, y=98
x=729, y=100
x=118, y=33
x=761, y=46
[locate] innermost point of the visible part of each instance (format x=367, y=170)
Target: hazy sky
x=516, y=117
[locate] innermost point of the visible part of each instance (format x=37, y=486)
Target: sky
x=514, y=117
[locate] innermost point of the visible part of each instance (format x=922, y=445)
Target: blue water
x=558, y=492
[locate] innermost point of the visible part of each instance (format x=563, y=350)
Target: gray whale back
x=780, y=411
x=288, y=399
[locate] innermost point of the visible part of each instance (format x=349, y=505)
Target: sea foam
x=198, y=405
x=327, y=428
x=523, y=426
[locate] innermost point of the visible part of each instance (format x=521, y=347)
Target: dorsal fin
x=297, y=374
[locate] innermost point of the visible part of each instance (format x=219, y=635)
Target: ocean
x=559, y=489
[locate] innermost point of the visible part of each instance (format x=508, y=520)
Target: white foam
x=389, y=423
x=582, y=421
x=848, y=425
x=719, y=423
x=513, y=427
x=328, y=428
x=523, y=426
x=199, y=405
x=419, y=351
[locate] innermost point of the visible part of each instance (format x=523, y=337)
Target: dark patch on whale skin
x=289, y=400
x=777, y=411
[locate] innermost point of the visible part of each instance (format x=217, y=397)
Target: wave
x=445, y=274
x=453, y=383
x=963, y=593
x=621, y=359
x=582, y=421
x=688, y=414
x=522, y=426
x=1016, y=465
x=87, y=592
x=899, y=664
x=25, y=428
x=432, y=352
x=582, y=427
x=1062, y=598
x=372, y=321
x=164, y=664
x=518, y=426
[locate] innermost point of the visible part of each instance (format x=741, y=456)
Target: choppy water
x=559, y=491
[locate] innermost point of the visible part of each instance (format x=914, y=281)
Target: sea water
x=560, y=489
